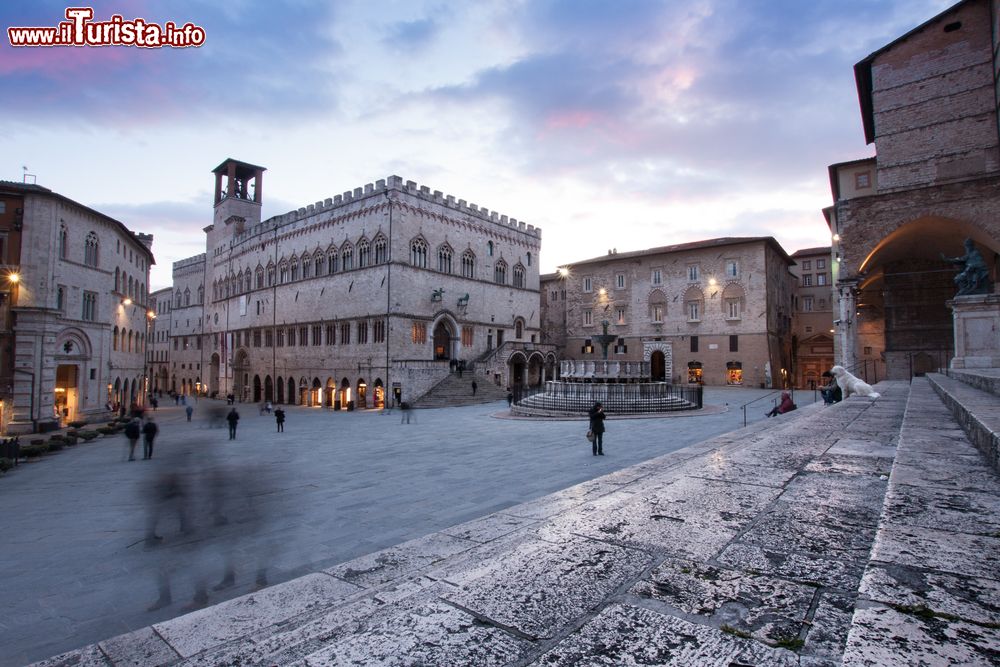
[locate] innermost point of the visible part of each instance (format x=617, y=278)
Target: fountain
x=605, y=338
x=623, y=387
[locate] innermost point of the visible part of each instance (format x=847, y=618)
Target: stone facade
x=928, y=104
x=80, y=306
x=362, y=298
x=158, y=350
x=812, y=322
x=716, y=311
x=187, y=333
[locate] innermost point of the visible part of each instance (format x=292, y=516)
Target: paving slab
x=205, y=628
x=767, y=608
x=884, y=636
x=625, y=635
x=540, y=587
x=973, y=598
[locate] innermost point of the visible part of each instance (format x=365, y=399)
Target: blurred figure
x=233, y=417
x=132, y=432
x=279, y=418
x=189, y=410
x=216, y=416
x=149, y=432
x=206, y=520
x=167, y=496
x=237, y=514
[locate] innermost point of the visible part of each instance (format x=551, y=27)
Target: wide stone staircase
x=456, y=390
x=864, y=533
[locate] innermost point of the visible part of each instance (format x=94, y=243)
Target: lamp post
x=150, y=316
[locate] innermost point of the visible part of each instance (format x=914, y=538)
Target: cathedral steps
x=973, y=398
x=455, y=390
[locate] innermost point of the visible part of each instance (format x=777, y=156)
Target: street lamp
x=150, y=316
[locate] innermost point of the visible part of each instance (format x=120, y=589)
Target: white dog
x=849, y=384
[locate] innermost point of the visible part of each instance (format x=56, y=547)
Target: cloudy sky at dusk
x=624, y=123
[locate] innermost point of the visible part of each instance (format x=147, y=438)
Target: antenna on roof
x=26, y=176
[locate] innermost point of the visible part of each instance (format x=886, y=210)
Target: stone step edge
x=982, y=429
x=987, y=383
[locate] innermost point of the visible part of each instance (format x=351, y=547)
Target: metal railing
x=773, y=401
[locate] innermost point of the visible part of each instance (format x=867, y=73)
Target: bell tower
x=238, y=196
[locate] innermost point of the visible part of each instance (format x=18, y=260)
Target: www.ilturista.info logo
x=80, y=30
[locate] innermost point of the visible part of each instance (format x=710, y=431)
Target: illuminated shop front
x=734, y=373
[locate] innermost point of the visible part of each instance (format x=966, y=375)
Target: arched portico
x=517, y=367
x=536, y=363
x=893, y=320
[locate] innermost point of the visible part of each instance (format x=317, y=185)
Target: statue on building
x=974, y=278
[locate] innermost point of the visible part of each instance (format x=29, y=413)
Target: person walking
x=279, y=418
x=474, y=387
x=597, y=428
x=132, y=432
x=232, y=418
x=149, y=432
x=189, y=410
x=510, y=397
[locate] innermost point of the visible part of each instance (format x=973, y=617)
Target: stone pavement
x=336, y=487
x=863, y=533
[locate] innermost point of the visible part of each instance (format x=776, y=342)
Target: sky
x=621, y=124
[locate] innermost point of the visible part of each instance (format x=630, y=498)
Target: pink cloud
x=59, y=62
x=571, y=119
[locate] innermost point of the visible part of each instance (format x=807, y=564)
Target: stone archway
x=517, y=369
x=657, y=366
x=241, y=375
x=534, y=371
x=331, y=392
x=896, y=308
x=665, y=351
x=444, y=337
x=268, y=388
x=361, y=400
x=280, y=390
x=344, y=395
x=257, y=389
x=316, y=393
x=213, y=374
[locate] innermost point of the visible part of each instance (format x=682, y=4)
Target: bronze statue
x=974, y=278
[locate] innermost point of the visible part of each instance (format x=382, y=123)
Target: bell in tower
x=238, y=194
